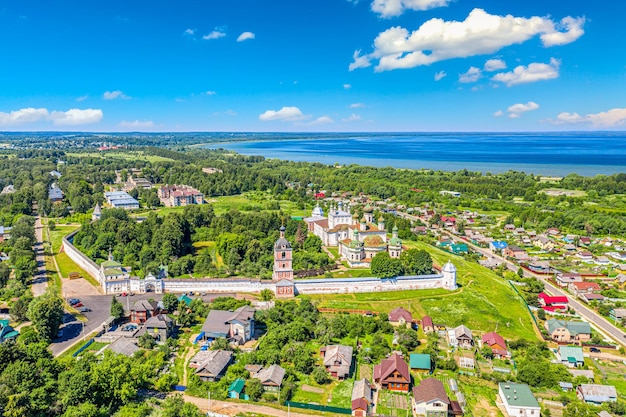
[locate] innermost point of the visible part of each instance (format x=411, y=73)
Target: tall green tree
x=46, y=313
x=416, y=262
x=384, y=266
x=117, y=309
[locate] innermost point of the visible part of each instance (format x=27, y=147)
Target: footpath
x=232, y=409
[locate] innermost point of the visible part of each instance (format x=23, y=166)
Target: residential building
x=430, y=399
x=142, y=310
x=420, y=362
x=235, y=390
x=160, y=327
x=179, y=195
x=123, y=346
x=7, y=332
x=543, y=242
x=596, y=394
x=121, y=199
x=400, y=317
x=617, y=313
x=337, y=360
x=461, y=336
x=589, y=297
x=271, y=378
x=539, y=267
x=361, y=398
x=393, y=374
x=585, y=256
x=427, y=324
x=570, y=356
x=518, y=400
x=211, y=365
x=513, y=251
x=236, y=326
x=585, y=287
x=498, y=246
x=497, y=345
x=568, y=331
x=566, y=278
x=552, y=303
x=54, y=193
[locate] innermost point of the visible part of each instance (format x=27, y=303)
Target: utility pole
x=209, y=400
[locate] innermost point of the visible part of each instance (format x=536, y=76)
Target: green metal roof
x=518, y=395
x=237, y=385
x=572, y=354
x=574, y=327
x=113, y=272
x=419, y=361
x=109, y=264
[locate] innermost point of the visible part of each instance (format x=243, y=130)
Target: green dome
x=373, y=241
x=395, y=241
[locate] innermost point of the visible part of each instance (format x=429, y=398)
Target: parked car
x=84, y=309
x=123, y=294
x=73, y=301
x=594, y=350
x=79, y=304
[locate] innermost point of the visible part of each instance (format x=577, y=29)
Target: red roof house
x=557, y=302
x=427, y=324
x=400, y=316
x=393, y=374
x=497, y=344
x=584, y=287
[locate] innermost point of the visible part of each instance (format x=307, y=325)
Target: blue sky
x=312, y=65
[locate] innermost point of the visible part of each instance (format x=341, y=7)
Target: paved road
x=40, y=280
x=585, y=312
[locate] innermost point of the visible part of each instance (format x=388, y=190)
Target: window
x=283, y=255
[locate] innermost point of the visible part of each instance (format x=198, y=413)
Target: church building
x=283, y=267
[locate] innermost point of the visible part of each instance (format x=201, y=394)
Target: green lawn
x=212, y=248
x=129, y=155
x=483, y=302
x=57, y=235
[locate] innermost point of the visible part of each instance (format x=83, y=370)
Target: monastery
x=358, y=240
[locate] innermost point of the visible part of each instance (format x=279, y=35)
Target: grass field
x=128, y=155
x=562, y=191
x=212, y=248
x=483, y=302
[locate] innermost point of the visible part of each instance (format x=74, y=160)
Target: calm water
x=588, y=153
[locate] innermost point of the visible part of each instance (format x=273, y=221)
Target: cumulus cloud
x=480, y=33
x=112, y=95
x=516, y=110
x=245, y=36
x=357, y=105
x=471, y=76
x=494, y=65
x=32, y=115
x=285, y=114
x=322, y=120
x=536, y=71
x=499, y=113
x=23, y=116
x=74, y=117
x=353, y=118
x=610, y=118
x=137, y=124
x=189, y=32
x=347, y=86
x=216, y=34
x=439, y=75
x=390, y=8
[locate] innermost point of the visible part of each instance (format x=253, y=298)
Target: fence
x=527, y=306
x=317, y=407
x=83, y=347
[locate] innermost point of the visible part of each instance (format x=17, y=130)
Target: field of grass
x=563, y=191
x=212, y=248
x=353, y=273
x=57, y=235
x=129, y=155
x=484, y=301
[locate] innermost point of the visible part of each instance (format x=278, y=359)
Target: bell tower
x=283, y=260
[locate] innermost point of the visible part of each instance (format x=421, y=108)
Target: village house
x=553, y=231
x=236, y=326
x=497, y=345
x=509, y=227
x=596, y=394
x=568, y=331
x=518, y=400
x=54, y=193
x=570, y=356
x=361, y=398
x=235, y=390
x=7, y=332
x=337, y=360
x=461, y=336
x=538, y=266
x=400, y=317
x=585, y=240
x=498, y=246
x=271, y=378
x=617, y=314
x=513, y=251
x=585, y=256
x=142, y=310
x=430, y=399
x=211, y=365
x=585, y=287
x=563, y=279
x=123, y=346
x=427, y=324
x=420, y=362
x=160, y=327
x=552, y=303
x=589, y=297
x=393, y=374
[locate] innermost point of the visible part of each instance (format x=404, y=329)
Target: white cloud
x=82, y=98
x=353, y=118
x=137, y=124
x=357, y=105
x=499, y=113
x=533, y=72
x=610, y=118
x=389, y=8
x=216, y=34
x=189, y=32
x=245, y=36
x=22, y=116
x=480, y=33
x=322, y=120
x=516, y=110
x=74, y=117
x=347, y=86
x=494, y=65
x=285, y=114
x=210, y=93
x=439, y=75
x=112, y=95
x=471, y=76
